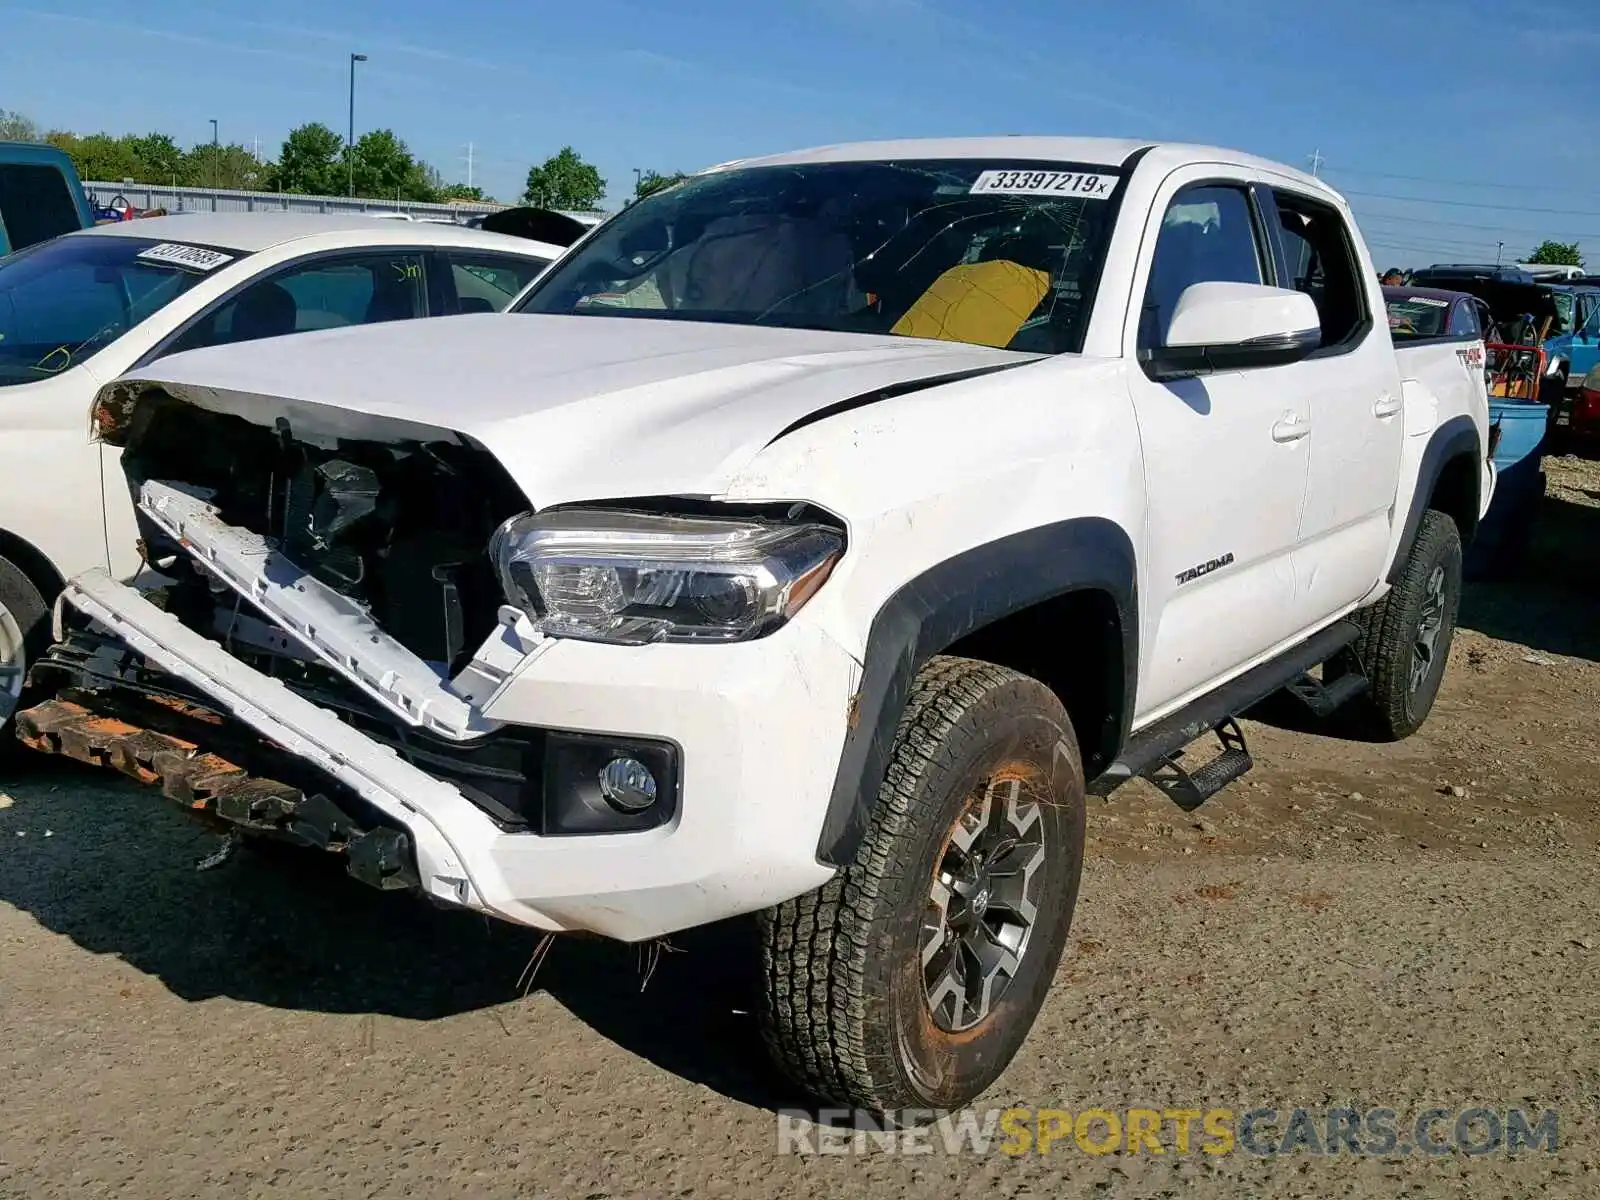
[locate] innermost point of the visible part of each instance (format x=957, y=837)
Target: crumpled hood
x=576, y=408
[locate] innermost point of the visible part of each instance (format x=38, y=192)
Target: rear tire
x=1406, y=643
x=24, y=636
x=912, y=978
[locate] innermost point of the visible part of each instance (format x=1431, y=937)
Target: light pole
x=350, y=137
x=216, y=170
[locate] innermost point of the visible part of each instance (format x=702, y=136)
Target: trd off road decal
x=1205, y=568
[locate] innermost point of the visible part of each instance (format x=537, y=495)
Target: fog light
x=596, y=783
x=628, y=785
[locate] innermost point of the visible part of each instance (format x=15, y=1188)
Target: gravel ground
x=1375, y=926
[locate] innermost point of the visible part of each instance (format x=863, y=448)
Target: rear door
x=1351, y=386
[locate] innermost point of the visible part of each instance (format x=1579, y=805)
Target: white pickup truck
x=806, y=544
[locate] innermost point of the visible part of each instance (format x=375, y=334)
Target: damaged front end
x=354, y=633
x=352, y=573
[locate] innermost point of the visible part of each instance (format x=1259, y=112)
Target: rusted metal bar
x=210, y=784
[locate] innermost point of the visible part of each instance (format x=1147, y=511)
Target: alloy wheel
x=13, y=663
x=1424, y=652
x=982, y=905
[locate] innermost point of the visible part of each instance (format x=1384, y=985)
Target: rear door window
x=1321, y=261
x=488, y=282
x=35, y=203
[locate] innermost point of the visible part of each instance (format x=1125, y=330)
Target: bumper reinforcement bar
x=207, y=783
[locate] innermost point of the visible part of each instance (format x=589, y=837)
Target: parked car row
x=80, y=309
x=804, y=542
x=1560, y=316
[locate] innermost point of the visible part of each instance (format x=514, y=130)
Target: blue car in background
x=1574, y=343
x=41, y=196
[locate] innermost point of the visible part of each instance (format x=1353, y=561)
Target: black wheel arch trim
x=1456, y=438
x=942, y=605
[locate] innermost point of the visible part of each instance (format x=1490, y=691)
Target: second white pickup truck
x=811, y=539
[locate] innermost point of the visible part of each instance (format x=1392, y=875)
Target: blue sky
x=1397, y=95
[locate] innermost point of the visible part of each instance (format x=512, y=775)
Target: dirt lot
x=1394, y=926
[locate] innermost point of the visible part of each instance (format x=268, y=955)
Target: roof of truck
x=1111, y=152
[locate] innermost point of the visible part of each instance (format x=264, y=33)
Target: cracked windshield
x=63, y=301
x=1000, y=254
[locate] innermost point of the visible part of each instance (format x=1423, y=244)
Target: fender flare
x=942, y=605
x=1456, y=438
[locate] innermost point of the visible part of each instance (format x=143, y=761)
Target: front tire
x=1406, y=644
x=24, y=635
x=912, y=978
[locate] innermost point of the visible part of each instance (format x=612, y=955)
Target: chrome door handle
x=1291, y=428
x=1387, y=406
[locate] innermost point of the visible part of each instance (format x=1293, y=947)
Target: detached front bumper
x=758, y=726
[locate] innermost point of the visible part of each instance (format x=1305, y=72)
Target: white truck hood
x=575, y=408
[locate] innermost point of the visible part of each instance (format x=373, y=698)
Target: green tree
x=565, y=181
x=310, y=162
x=386, y=169
x=460, y=191
x=14, y=127
x=226, y=166
x=1560, y=254
x=653, y=181
x=98, y=155
x=157, y=158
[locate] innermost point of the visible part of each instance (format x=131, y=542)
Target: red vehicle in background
x=1586, y=409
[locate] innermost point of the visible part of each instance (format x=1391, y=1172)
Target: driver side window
x=324, y=293
x=1208, y=235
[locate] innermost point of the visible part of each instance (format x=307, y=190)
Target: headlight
x=633, y=578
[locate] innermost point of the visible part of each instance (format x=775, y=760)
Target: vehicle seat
x=759, y=263
x=393, y=298
x=984, y=303
x=266, y=310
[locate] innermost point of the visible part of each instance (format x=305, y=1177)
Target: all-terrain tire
x=24, y=634
x=1406, y=637
x=851, y=971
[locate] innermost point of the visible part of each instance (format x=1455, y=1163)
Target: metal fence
x=193, y=199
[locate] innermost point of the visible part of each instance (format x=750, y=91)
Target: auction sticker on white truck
x=1082, y=184
x=193, y=258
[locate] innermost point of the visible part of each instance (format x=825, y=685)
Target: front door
x=1225, y=463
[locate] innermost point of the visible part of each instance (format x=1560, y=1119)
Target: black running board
x=1324, y=699
x=1190, y=789
x=1154, y=745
